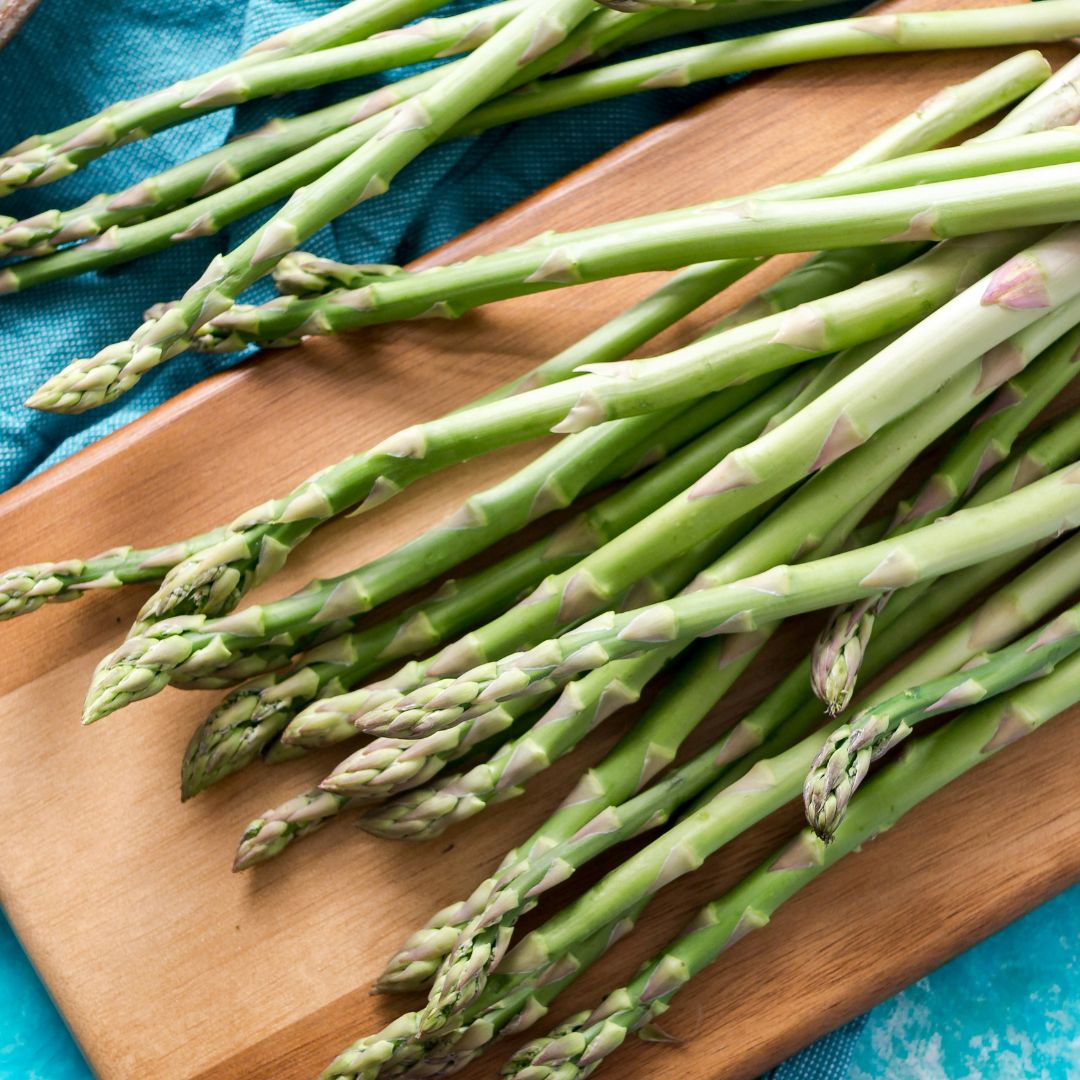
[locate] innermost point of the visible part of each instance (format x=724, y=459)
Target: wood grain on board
x=165, y=964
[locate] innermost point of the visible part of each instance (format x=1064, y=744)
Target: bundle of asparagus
x=772, y=468
x=327, y=162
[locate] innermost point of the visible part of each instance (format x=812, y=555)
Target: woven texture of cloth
x=72, y=59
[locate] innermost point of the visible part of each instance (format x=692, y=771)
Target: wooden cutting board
x=167, y=965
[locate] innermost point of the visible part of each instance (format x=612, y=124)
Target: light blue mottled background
x=1008, y=1009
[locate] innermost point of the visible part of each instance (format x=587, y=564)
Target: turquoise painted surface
x=1006, y=1010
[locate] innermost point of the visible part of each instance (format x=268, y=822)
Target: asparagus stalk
x=24, y=589
x=831, y=492
x=362, y=479
x=645, y=5
x=889, y=384
x=727, y=809
x=330, y=719
x=791, y=711
x=254, y=714
x=785, y=590
x=803, y=216
x=527, y=623
x=934, y=121
x=937, y=119
x=367, y=172
x=337, y=133
x=298, y=66
x=1054, y=103
x=957, y=207
x=358, y=776
x=385, y=767
x=906, y=32
x=795, y=529
x=224, y=166
x=580, y=1045
x=349, y=129
x=646, y=750
x=351, y=776
x=45, y=158
x=506, y=1016
x=194, y=645
x=517, y=1011
x=274, y=143
x=842, y=642
x=227, y=165
x=845, y=758
x=787, y=714
x=341, y=665
x=424, y=813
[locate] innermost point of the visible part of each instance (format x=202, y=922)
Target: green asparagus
x=843, y=640
x=45, y=158
x=726, y=809
x=580, y=1045
x=845, y=759
x=218, y=578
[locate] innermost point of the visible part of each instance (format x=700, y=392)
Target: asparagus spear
x=845, y=758
x=933, y=210
x=52, y=156
x=933, y=121
x=785, y=590
x=1054, y=103
x=646, y=750
x=259, y=711
x=517, y=1011
x=426, y=812
x=850, y=478
x=276, y=142
x=367, y=172
x=387, y=766
x=843, y=640
x=279, y=526
x=237, y=164
x=224, y=166
x=351, y=776
x=817, y=508
x=905, y=32
x=727, y=810
x=645, y=5
x=26, y=588
x=23, y=589
x=791, y=711
x=796, y=217
x=886, y=386
x=331, y=718
x=506, y=1016
x=297, y=67
x=349, y=129
x=182, y=646
x=361, y=774
x=580, y=1045
x=252, y=715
